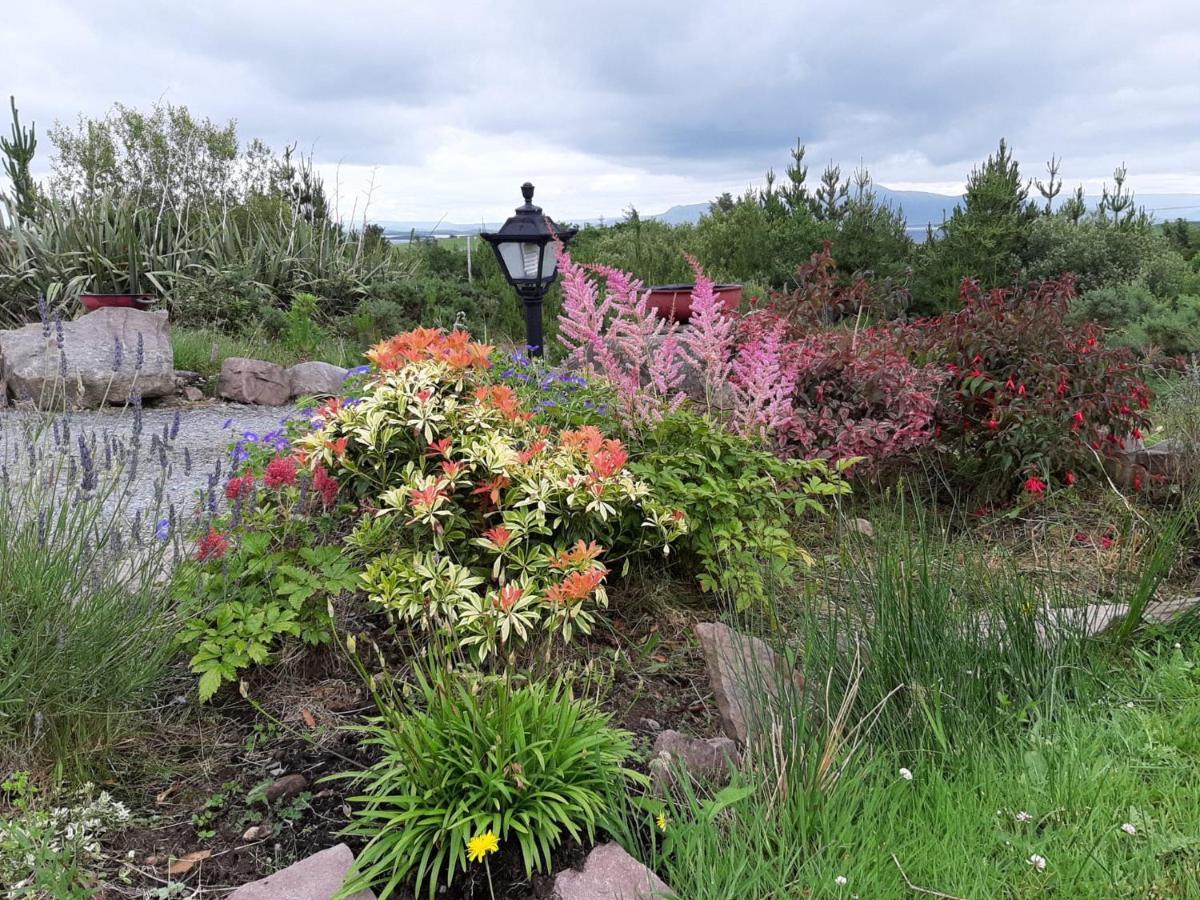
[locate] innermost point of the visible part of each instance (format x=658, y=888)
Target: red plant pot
x=93, y=302
x=674, y=301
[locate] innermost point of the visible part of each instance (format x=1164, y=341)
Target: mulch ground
x=197, y=780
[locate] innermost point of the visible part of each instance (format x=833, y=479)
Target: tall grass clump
x=85, y=624
x=962, y=647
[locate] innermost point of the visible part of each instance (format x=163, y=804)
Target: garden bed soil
x=195, y=783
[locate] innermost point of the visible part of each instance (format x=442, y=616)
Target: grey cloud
x=707, y=90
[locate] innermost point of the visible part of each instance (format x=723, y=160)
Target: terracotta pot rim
x=676, y=288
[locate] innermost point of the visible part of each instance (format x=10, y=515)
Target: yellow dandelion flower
x=481, y=845
x=661, y=821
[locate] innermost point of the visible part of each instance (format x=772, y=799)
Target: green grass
x=203, y=350
x=1082, y=734
x=1131, y=756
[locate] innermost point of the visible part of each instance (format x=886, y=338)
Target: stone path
x=203, y=436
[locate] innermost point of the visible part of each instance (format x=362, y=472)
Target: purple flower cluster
x=553, y=386
x=275, y=440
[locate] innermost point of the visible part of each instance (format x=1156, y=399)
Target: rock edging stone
x=318, y=877
x=609, y=873
x=104, y=356
x=750, y=681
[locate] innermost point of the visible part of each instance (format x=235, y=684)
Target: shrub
x=251, y=600
x=837, y=395
x=53, y=849
x=495, y=529
x=266, y=571
x=1030, y=397
x=821, y=297
x=376, y=318
x=230, y=301
x=740, y=501
x=1141, y=320
x=651, y=250
x=1097, y=252
x=528, y=765
x=829, y=395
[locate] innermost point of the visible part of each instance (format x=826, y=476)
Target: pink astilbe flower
x=619, y=336
x=581, y=324
x=762, y=407
x=709, y=341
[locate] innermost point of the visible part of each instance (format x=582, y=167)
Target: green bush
x=231, y=302
x=651, y=250
x=1141, y=319
x=1096, y=251
x=530, y=765
x=740, y=502
x=51, y=848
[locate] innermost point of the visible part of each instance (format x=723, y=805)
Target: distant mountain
x=682, y=215
x=920, y=208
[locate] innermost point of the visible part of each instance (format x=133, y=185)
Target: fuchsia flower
x=1035, y=485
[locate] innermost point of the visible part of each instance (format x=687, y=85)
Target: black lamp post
x=524, y=248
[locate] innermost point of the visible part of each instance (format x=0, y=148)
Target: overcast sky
x=450, y=105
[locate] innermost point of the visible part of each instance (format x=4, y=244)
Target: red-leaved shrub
x=837, y=394
x=823, y=296
x=1029, y=395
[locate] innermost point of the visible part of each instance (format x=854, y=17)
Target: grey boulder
x=105, y=356
x=316, y=379
x=253, y=381
x=704, y=759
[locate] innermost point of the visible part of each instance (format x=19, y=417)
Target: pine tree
x=1074, y=208
x=987, y=234
x=829, y=204
x=795, y=193
x=1051, y=188
x=1118, y=203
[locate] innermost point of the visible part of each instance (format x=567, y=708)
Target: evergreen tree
x=870, y=234
x=1053, y=185
x=1074, y=208
x=795, y=193
x=829, y=204
x=985, y=236
x=723, y=203
x=1117, y=204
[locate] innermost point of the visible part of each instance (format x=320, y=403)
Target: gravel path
x=200, y=446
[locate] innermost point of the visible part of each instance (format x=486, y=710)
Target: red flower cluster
x=239, y=487
x=281, y=470
x=213, y=545
x=325, y=485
